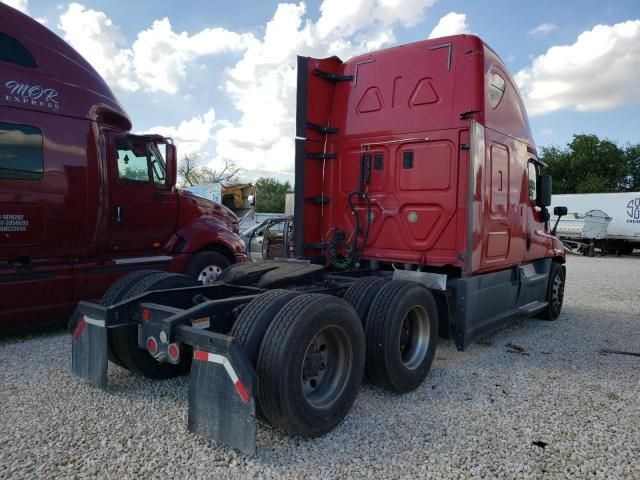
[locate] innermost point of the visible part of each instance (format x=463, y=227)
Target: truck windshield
x=140, y=160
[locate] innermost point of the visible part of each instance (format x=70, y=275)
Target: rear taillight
x=173, y=352
x=152, y=345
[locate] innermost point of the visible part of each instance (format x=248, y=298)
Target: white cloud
x=262, y=84
x=190, y=136
x=543, y=28
x=22, y=5
x=340, y=18
x=98, y=40
x=451, y=24
x=596, y=73
x=161, y=56
x=157, y=60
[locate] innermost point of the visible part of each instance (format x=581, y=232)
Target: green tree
x=270, y=195
x=560, y=168
x=192, y=172
x=132, y=173
x=587, y=165
x=632, y=156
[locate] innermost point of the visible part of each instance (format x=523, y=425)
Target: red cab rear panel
x=407, y=113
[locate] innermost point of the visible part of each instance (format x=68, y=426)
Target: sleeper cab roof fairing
x=61, y=81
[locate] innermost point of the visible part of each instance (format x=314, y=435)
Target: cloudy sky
x=219, y=75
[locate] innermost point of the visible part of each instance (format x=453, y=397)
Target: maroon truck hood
x=194, y=205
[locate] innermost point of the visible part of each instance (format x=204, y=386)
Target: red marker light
x=146, y=315
x=173, y=351
x=152, y=345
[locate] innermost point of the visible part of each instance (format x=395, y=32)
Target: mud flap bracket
x=89, y=357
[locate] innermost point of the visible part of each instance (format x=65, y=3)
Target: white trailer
x=212, y=191
x=609, y=221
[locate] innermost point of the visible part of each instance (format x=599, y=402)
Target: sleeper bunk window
x=12, y=51
x=21, y=152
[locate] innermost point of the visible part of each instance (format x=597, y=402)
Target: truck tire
x=255, y=318
x=555, y=293
x=361, y=293
x=206, y=266
x=625, y=249
x=310, y=364
x=401, y=333
x=116, y=293
x=125, y=340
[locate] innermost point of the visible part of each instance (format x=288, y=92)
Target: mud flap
x=89, y=356
x=222, y=398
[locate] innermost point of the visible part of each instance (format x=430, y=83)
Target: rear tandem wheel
x=361, y=294
x=114, y=294
x=310, y=364
x=254, y=320
x=124, y=340
x=401, y=333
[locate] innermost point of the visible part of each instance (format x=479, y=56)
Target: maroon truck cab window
x=12, y=51
x=21, y=152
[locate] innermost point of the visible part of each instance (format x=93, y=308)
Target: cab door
x=143, y=208
x=275, y=239
x=255, y=243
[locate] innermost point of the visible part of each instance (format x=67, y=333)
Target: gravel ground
x=563, y=409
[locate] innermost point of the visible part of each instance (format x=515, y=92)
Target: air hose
x=354, y=251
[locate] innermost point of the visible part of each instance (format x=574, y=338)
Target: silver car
x=270, y=239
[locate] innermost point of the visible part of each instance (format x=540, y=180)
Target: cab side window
x=140, y=160
x=21, y=152
x=533, y=181
x=158, y=170
x=12, y=51
x=497, y=86
x=132, y=161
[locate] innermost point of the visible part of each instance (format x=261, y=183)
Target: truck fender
x=205, y=232
x=556, y=251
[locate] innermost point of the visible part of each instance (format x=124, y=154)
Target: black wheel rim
x=557, y=292
x=414, y=338
x=326, y=367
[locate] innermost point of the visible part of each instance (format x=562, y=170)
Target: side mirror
x=544, y=191
x=172, y=164
x=560, y=211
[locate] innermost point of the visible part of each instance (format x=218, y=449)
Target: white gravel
x=478, y=413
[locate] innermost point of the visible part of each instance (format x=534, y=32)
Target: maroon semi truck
x=420, y=212
x=84, y=201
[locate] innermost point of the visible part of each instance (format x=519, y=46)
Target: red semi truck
x=82, y=200
x=420, y=212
